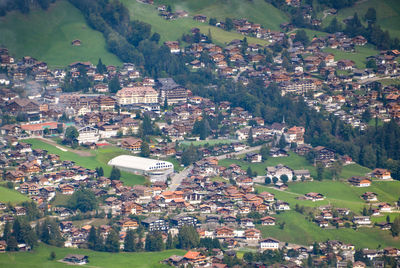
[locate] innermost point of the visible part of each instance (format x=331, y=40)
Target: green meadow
x=301, y=231
x=99, y=158
x=359, y=56
x=47, y=36
x=39, y=258
x=12, y=196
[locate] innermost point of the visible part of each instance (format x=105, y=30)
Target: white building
x=88, y=135
x=157, y=170
x=278, y=171
x=269, y=244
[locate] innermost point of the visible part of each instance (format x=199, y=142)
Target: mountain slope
x=47, y=36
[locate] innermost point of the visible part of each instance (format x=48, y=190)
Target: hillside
x=47, y=36
x=388, y=14
x=257, y=11
x=173, y=29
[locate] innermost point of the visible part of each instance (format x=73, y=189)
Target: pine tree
x=115, y=174
x=396, y=226
x=92, y=238
x=7, y=231
x=112, y=242
x=145, y=149
x=250, y=139
x=129, y=242
x=170, y=242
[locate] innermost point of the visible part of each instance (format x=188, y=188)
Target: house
x=252, y=234
x=200, y=18
x=131, y=144
x=194, y=257
x=382, y=174
x=268, y=220
x=3, y=246
x=76, y=259
x=181, y=220
x=360, y=181
x=370, y=196
x=362, y=220
x=277, y=152
x=254, y=157
x=155, y=224
x=314, y=196
x=128, y=224
x=173, y=46
x=269, y=244
x=279, y=171
x=323, y=153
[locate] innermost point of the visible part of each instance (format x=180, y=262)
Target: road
x=177, y=178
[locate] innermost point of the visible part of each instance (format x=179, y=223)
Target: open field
x=8, y=195
x=359, y=57
x=99, y=158
x=301, y=231
x=40, y=258
x=388, y=14
x=258, y=11
x=173, y=30
x=337, y=193
x=47, y=36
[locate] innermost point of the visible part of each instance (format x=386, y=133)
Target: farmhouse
x=157, y=170
x=76, y=259
x=314, y=196
x=269, y=244
x=382, y=174
x=360, y=181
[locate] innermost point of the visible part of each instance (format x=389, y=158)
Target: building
x=155, y=224
x=382, y=174
x=76, y=259
x=269, y=244
x=181, y=220
x=136, y=95
x=157, y=170
x=131, y=144
x=278, y=171
x=360, y=181
x=171, y=91
x=88, y=135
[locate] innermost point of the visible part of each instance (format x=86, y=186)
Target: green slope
x=12, y=196
x=47, y=36
x=388, y=14
x=258, y=11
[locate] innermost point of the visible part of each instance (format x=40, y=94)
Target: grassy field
x=99, y=158
x=388, y=14
x=47, y=36
x=258, y=11
x=301, y=231
x=8, y=195
x=359, y=57
x=339, y=194
x=390, y=82
x=173, y=30
x=40, y=258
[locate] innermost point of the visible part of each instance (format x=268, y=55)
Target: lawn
x=359, y=56
x=60, y=200
x=257, y=11
x=301, y=231
x=40, y=258
x=100, y=158
x=173, y=30
x=9, y=195
x=47, y=36
x=175, y=162
x=388, y=14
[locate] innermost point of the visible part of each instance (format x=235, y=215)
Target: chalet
x=200, y=18
x=277, y=152
x=67, y=189
x=22, y=106
x=269, y=244
x=224, y=232
x=268, y=220
x=3, y=246
x=15, y=176
x=252, y=234
x=76, y=259
x=88, y=134
x=362, y=220
x=128, y=224
x=173, y=46
x=345, y=64
x=382, y=174
x=254, y=157
x=360, y=181
x=281, y=205
x=131, y=144
x=314, y=196
x=302, y=173
x=181, y=220
x=370, y=196
x=194, y=257
x=323, y=153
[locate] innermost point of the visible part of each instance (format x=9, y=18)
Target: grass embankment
x=47, y=36
x=173, y=30
x=40, y=258
x=99, y=158
x=12, y=196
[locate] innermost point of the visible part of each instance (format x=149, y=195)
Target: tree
x=114, y=85
x=165, y=104
x=250, y=139
x=83, y=199
x=248, y=256
x=145, y=149
x=301, y=36
x=112, y=242
x=155, y=38
x=275, y=180
x=228, y=24
x=336, y=169
x=92, y=238
x=284, y=178
x=101, y=68
x=371, y=64
x=264, y=151
x=212, y=21
x=267, y=180
x=100, y=171
x=154, y=242
x=52, y=256
x=320, y=171
x=395, y=229
x=115, y=174
x=147, y=126
x=7, y=231
x=71, y=135
x=370, y=16
x=170, y=242
x=282, y=142
x=12, y=244
x=188, y=237
x=44, y=4
x=129, y=242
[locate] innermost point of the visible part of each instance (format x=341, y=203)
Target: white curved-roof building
x=156, y=169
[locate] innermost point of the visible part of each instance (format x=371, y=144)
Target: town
x=102, y=158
